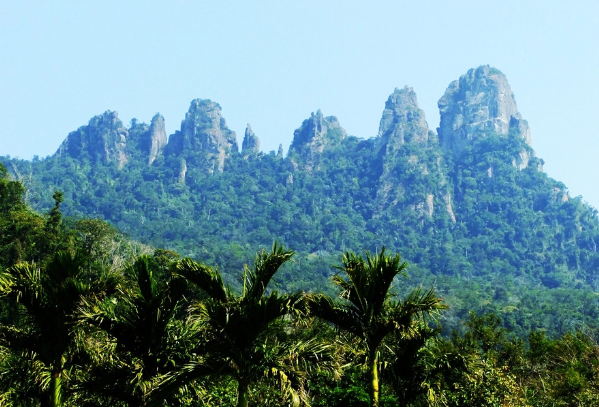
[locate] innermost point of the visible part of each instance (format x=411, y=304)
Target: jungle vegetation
x=92, y=318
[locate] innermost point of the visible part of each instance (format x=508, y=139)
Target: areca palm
x=147, y=339
x=246, y=337
x=47, y=302
x=367, y=310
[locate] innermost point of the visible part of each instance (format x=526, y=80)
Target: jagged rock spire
x=481, y=102
x=408, y=150
x=251, y=143
x=204, y=130
x=313, y=136
x=103, y=139
x=157, y=137
x=402, y=120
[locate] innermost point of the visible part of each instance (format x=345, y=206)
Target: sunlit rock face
x=402, y=120
x=204, y=130
x=407, y=149
x=315, y=135
x=480, y=103
x=104, y=139
x=157, y=137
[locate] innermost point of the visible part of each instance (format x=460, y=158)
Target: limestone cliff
x=314, y=135
x=480, y=103
x=104, y=139
x=204, y=132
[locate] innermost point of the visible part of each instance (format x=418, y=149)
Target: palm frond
x=204, y=277
x=345, y=318
x=265, y=267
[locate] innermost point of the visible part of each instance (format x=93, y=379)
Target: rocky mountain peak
x=318, y=131
x=402, y=120
x=103, y=139
x=314, y=135
x=204, y=129
x=251, y=143
x=405, y=153
x=480, y=103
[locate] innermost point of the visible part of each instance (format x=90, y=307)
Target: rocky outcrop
x=402, y=120
x=408, y=150
x=204, y=132
x=104, y=139
x=480, y=103
x=251, y=143
x=157, y=137
x=311, y=139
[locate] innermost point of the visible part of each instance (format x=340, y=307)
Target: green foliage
x=517, y=239
x=368, y=313
x=46, y=302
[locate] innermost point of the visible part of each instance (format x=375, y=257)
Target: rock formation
x=204, y=131
x=157, y=137
x=103, y=139
x=480, y=103
x=402, y=120
x=314, y=135
x=407, y=149
x=251, y=143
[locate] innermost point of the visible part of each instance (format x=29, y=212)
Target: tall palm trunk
x=374, y=378
x=242, y=393
x=55, y=389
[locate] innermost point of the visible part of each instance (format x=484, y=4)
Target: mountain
x=467, y=205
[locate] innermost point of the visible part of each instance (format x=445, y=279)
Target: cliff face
x=204, y=131
x=407, y=150
x=156, y=138
x=104, y=139
x=314, y=135
x=480, y=103
x=402, y=120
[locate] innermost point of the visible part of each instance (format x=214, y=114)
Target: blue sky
x=272, y=63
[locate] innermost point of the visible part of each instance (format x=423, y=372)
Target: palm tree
x=148, y=340
x=367, y=310
x=247, y=336
x=45, y=329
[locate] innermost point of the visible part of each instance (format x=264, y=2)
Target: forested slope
x=468, y=206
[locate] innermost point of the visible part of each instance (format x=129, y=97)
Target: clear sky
x=272, y=63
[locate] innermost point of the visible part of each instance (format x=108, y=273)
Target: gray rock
x=104, y=139
x=480, y=103
x=251, y=143
x=314, y=135
x=157, y=137
x=405, y=146
x=204, y=130
x=402, y=120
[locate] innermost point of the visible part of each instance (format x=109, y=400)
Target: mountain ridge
x=468, y=203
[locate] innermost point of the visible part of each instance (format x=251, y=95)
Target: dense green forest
x=145, y=293
x=90, y=318
x=468, y=206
